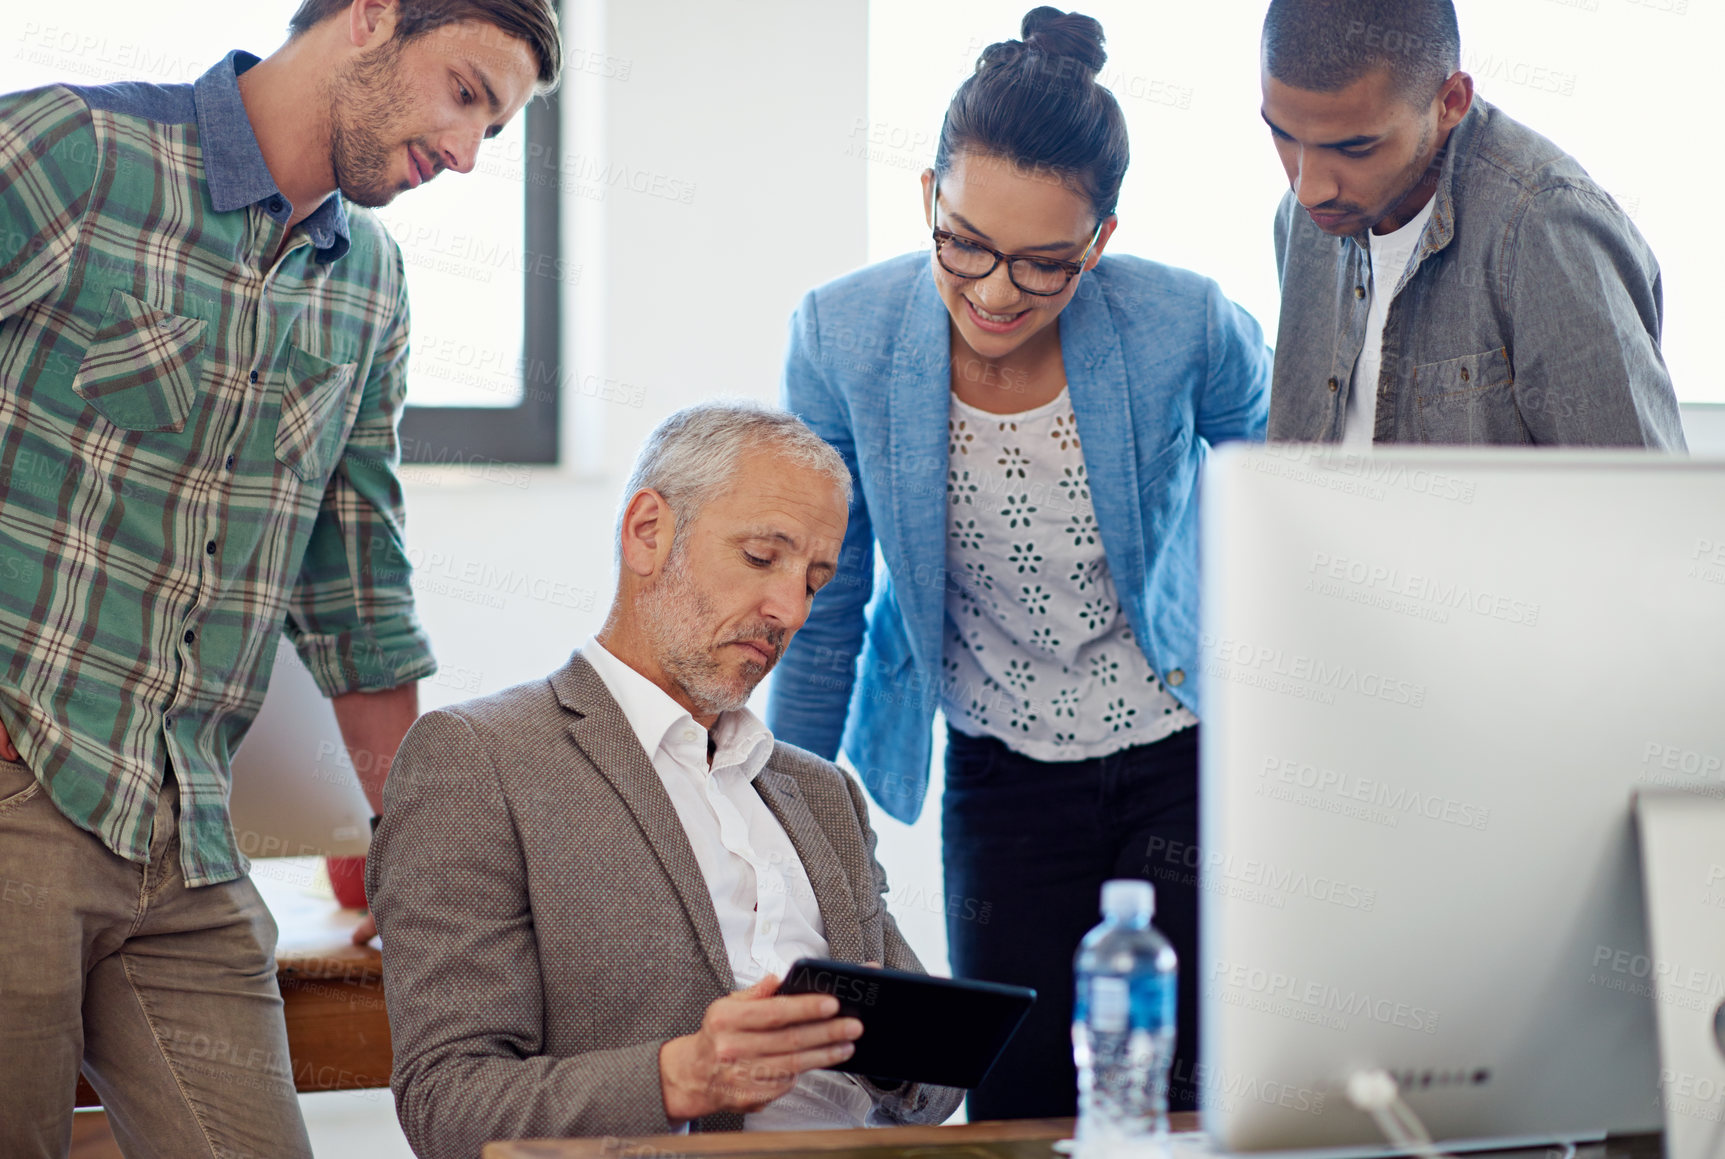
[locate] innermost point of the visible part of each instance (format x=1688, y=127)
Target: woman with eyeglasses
x=1025, y=422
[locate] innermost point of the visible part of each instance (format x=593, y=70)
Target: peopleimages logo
x=1244, y=662
x=1446, y=595
x=857, y=991
x=1274, y=992
x=1707, y=561
x=1706, y=982
x=1358, y=473
x=1691, y=1095
x=1673, y=766
x=1226, y=1089
x=1393, y=799
x=1210, y=868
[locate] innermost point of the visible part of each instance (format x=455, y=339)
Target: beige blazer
x=546, y=927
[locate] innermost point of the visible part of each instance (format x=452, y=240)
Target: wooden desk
x=332, y=990
x=1015, y=1139
x=1023, y=1139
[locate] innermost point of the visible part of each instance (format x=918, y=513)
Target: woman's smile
x=996, y=323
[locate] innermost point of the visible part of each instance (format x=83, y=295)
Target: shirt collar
x=1459, y=145
x=234, y=165
x=660, y=722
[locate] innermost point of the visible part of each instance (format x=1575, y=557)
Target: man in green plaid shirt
x=203, y=342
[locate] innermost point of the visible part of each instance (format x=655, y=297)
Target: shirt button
x=210, y=547
x=275, y=205
x=1334, y=386
x=230, y=462
x=168, y=722
x=190, y=635
x=1176, y=678
x=1464, y=374
x=1359, y=291
x=254, y=376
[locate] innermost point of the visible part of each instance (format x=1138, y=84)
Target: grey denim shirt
x=1530, y=312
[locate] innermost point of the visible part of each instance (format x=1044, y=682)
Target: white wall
x=1704, y=427
x=728, y=117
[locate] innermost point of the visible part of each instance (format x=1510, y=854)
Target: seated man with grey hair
x=573, y=877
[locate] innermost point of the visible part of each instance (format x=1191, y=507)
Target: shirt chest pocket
x=140, y=371
x=313, y=425
x=1469, y=400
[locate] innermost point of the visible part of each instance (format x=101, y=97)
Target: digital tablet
x=945, y=1031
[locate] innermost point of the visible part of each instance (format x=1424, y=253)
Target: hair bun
x=1065, y=34
x=1000, y=54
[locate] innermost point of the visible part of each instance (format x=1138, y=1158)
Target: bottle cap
x=1128, y=898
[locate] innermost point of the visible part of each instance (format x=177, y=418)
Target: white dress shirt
x=761, y=893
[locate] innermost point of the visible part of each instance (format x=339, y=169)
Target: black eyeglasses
x=963, y=257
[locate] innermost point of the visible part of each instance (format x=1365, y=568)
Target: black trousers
x=1026, y=846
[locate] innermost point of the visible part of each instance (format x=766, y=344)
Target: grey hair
x=691, y=457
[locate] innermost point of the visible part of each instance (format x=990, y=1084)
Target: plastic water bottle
x=1123, y=1026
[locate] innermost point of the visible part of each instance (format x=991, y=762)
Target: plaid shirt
x=197, y=450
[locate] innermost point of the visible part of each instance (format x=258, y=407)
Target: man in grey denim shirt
x=1530, y=309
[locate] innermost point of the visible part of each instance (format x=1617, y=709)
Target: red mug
x=347, y=879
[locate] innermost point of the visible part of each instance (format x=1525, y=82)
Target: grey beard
x=672, y=610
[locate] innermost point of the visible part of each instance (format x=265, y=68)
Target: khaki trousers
x=164, y=996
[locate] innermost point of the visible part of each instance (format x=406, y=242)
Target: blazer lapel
x=832, y=889
x=603, y=734
x=917, y=406
x=1098, y=381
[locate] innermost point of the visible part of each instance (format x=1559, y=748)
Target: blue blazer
x=1159, y=365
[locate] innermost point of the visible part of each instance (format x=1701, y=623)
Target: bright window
x=1623, y=85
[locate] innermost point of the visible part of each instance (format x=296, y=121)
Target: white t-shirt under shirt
x=1038, y=651
x=1390, y=253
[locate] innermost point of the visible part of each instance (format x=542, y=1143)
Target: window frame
x=528, y=432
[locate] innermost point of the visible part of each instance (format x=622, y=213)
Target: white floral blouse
x=1037, y=651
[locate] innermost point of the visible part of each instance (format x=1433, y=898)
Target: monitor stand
x=1683, y=876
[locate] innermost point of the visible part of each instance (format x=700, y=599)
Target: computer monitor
x=1433, y=681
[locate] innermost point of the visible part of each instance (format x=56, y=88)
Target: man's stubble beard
x=364, y=101
x=674, y=614
x=1412, y=177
